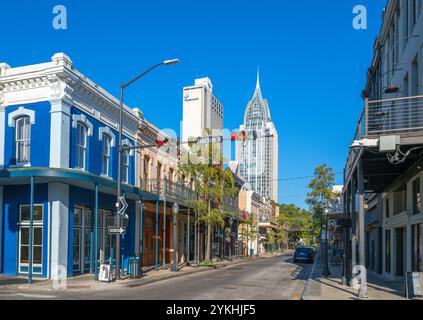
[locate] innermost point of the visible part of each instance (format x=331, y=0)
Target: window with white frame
x=81, y=146
x=105, y=155
x=37, y=239
x=125, y=169
x=22, y=139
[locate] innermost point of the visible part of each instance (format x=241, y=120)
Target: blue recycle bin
x=251, y=252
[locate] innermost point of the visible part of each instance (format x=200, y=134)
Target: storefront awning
x=16, y=176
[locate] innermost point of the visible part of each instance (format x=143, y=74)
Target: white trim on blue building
x=60, y=97
x=11, y=120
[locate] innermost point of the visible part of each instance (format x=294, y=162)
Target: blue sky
x=312, y=62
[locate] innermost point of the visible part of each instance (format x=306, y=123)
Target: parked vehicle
x=305, y=254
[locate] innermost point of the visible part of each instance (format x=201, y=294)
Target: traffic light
x=242, y=136
x=161, y=143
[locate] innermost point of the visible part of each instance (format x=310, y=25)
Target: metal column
x=362, y=293
x=353, y=226
x=347, y=257
x=96, y=234
x=157, y=235
x=141, y=228
x=164, y=224
x=31, y=227
x=188, y=235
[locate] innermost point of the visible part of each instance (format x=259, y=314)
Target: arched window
x=81, y=146
x=105, y=155
x=22, y=139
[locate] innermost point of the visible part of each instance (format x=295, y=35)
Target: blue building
x=58, y=155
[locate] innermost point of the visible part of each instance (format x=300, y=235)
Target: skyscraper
x=258, y=158
x=201, y=110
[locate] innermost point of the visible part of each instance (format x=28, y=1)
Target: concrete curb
x=310, y=279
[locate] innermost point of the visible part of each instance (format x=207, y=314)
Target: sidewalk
x=331, y=288
x=149, y=276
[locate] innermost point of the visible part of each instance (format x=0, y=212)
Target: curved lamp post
x=123, y=86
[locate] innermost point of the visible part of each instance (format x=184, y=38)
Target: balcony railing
x=174, y=191
x=399, y=116
x=391, y=116
x=171, y=190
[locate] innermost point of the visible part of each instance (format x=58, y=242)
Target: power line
x=301, y=178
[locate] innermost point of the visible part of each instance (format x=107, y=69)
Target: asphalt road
x=276, y=278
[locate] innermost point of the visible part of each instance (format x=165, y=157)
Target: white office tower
x=201, y=110
x=258, y=159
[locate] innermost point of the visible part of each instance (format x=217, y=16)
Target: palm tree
x=211, y=183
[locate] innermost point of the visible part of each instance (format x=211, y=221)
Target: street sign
x=124, y=205
x=117, y=230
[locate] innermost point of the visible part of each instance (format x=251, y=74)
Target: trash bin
x=134, y=267
x=251, y=252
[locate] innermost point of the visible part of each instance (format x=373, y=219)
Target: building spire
x=258, y=78
x=257, y=92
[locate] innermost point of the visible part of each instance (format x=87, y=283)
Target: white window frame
x=125, y=165
x=26, y=224
x=23, y=142
x=80, y=147
x=105, y=157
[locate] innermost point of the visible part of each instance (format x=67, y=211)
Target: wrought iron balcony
x=171, y=190
x=174, y=191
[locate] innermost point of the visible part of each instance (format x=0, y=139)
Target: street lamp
x=123, y=86
x=391, y=88
x=175, y=209
x=326, y=271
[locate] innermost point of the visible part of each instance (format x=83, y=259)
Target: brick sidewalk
x=331, y=288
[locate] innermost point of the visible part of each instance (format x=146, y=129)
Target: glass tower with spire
x=258, y=159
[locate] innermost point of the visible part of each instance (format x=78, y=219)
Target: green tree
x=320, y=195
x=298, y=222
x=212, y=183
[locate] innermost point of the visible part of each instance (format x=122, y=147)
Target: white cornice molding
x=57, y=80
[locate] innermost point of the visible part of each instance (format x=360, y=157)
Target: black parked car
x=305, y=254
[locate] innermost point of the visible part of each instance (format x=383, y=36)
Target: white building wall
x=58, y=196
x=198, y=110
x=59, y=133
